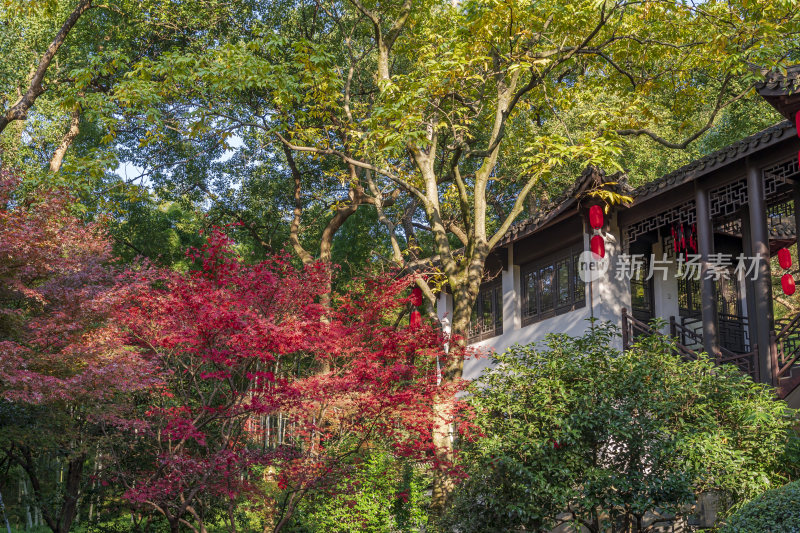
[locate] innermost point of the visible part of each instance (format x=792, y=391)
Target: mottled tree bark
x=19, y=111
x=66, y=141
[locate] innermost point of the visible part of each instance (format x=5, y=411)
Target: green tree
x=577, y=432
x=383, y=493
x=59, y=64
x=454, y=104
x=159, y=231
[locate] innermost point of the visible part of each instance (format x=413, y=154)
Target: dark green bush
x=572, y=430
x=775, y=511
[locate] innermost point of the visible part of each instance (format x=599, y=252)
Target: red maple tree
x=64, y=372
x=266, y=388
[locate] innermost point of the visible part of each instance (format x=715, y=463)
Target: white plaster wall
x=444, y=310
x=512, y=312
x=608, y=296
x=665, y=292
x=573, y=323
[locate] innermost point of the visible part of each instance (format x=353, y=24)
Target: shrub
x=775, y=511
x=382, y=494
x=576, y=431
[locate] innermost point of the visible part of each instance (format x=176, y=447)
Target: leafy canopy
x=574, y=431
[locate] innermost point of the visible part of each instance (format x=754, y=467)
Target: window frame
x=576, y=297
x=483, y=333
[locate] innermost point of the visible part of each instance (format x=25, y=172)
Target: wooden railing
x=785, y=347
x=686, y=335
x=631, y=327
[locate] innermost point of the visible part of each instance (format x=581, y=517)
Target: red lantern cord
x=415, y=320
x=596, y=218
x=784, y=258
x=416, y=296
x=598, y=246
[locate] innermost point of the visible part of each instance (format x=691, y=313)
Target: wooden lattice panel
x=777, y=175
x=725, y=201
x=682, y=214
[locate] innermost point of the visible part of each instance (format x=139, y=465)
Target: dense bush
x=382, y=494
x=576, y=431
x=775, y=511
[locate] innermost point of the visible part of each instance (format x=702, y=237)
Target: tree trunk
x=19, y=111
x=443, y=483
x=72, y=487
x=66, y=141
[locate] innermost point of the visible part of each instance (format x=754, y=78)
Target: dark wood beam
x=705, y=244
x=762, y=285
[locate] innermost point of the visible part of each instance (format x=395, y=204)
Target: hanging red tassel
x=596, y=218
x=674, y=239
x=415, y=320
x=797, y=122
x=784, y=258
x=693, y=239
x=683, y=238
x=598, y=246
x=787, y=283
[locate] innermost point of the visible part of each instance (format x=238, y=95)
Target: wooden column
x=705, y=245
x=762, y=285
x=747, y=249
x=796, y=198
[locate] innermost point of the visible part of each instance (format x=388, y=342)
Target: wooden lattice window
x=487, y=314
x=552, y=286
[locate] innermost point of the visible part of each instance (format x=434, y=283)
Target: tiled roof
x=775, y=82
x=783, y=230
x=589, y=178
x=714, y=160
x=687, y=173
x=782, y=91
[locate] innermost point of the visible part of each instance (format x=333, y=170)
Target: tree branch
x=66, y=141
x=355, y=162
x=691, y=138
x=19, y=111
x=294, y=227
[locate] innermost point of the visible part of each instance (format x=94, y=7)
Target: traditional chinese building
x=706, y=233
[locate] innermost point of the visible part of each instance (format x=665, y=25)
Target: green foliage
x=383, y=494
x=775, y=511
x=161, y=232
x=577, y=427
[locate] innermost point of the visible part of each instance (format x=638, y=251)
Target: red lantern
x=797, y=122
x=596, y=218
x=416, y=319
x=416, y=296
x=784, y=258
x=787, y=283
x=598, y=246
